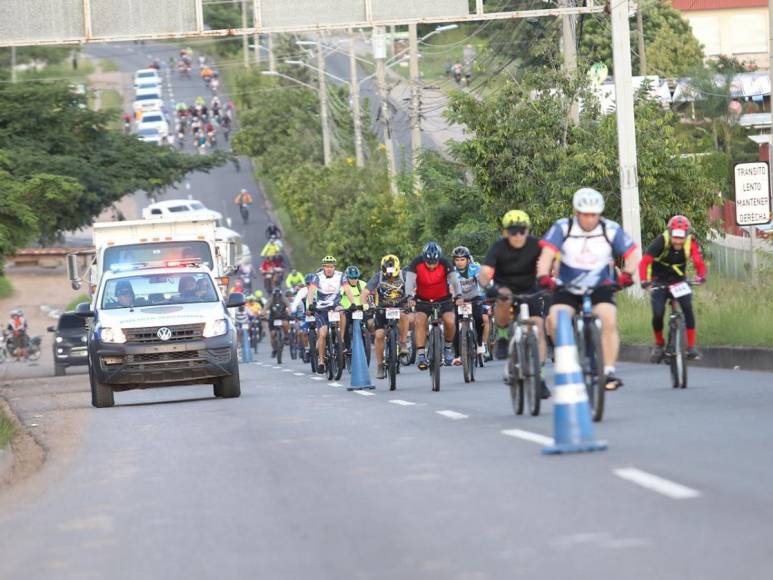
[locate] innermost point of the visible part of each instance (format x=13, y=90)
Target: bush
x=6, y=289
x=77, y=300
x=6, y=430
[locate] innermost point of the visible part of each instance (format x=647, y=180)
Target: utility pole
x=415, y=102
x=355, y=96
x=245, y=39
x=379, y=54
x=569, y=37
x=323, y=111
x=770, y=103
x=271, y=58
x=640, y=39
x=626, y=127
x=13, y=64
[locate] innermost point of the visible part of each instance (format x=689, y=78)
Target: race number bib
x=334, y=316
x=277, y=323
x=310, y=319
x=465, y=309
x=679, y=290
x=357, y=315
x=393, y=313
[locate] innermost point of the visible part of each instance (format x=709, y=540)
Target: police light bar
x=182, y=262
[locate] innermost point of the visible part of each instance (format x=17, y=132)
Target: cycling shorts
x=380, y=319
x=321, y=315
x=601, y=295
x=426, y=307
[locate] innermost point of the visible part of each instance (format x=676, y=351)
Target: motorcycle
x=244, y=210
x=33, y=350
x=3, y=348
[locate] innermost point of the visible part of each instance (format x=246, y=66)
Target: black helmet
x=277, y=292
x=462, y=252
x=431, y=252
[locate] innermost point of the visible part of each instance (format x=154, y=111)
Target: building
x=737, y=28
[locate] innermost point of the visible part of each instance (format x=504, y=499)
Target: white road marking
x=316, y=378
x=364, y=393
x=402, y=403
x=529, y=436
x=658, y=484
x=299, y=374
x=287, y=370
x=334, y=384
x=452, y=415
x=276, y=367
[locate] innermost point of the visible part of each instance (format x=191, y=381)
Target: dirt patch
x=27, y=455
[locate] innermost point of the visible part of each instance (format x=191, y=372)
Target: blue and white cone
x=246, y=352
x=572, y=427
x=360, y=374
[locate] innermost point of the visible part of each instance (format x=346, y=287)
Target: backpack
x=667, y=247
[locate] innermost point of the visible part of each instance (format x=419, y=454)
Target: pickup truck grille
x=149, y=334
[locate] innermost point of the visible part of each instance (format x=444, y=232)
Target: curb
x=720, y=357
x=6, y=463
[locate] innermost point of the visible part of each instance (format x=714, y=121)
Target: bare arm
x=453, y=284
x=486, y=275
x=545, y=263
x=410, y=284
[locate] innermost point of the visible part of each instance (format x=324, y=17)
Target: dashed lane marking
x=402, y=403
x=287, y=370
x=334, y=384
x=364, y=393
x=316, y=378
x=299, y=374
x=529, y=436
x=452, y=415
x=657, y=484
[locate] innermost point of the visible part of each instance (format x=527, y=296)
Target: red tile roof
x=696, y=5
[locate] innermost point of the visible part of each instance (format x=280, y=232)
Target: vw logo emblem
x=164, y=333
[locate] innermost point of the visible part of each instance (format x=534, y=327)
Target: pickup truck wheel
x=228, y=387
x=59, y=370
x=101, y=395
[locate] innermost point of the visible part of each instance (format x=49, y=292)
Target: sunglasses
x=517, y=230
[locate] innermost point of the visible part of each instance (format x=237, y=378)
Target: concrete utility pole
x=415, y=100
x=245, y=39
x=323, y=110
x=256, y=44
x=13, y=64
x=640, y=39
x=569, y=41
x=271, y=58
x=355, y=96
x=379, y=54
x=770, y=76
x=626, y=127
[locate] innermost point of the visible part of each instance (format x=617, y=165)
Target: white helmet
x=588, y=200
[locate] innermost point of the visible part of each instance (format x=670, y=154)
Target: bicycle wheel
x=338, y=354
x=595, y=381
x=467, y=362
x=391, y=358
x=678, y=359
x=330, y=350
x=472, y=351
x=366, y=342
x=532, y=374
x=313, y=354
x=513, y=380
x=280, y=345
x=293, y=344
x=412, y=347
x=436, y=362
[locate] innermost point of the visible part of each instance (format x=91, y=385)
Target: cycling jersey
x=390, y=291
x=298, y=305
x=356, y=291
x=271, y=249
x=665, y=264
x=587, y=257
x=296, y=279
x=468, y=281
x=514, y=268
x=328, y=289
x=431, y=284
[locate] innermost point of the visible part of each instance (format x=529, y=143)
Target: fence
x=731, y=256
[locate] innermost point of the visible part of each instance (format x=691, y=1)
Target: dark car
x=69, y=342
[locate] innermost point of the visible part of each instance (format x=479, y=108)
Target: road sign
x=752, y=193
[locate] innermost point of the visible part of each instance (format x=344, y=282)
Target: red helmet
x=679, y=222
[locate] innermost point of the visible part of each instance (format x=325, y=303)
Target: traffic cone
x=360, y=375
x=572, y=427
x=246, y=351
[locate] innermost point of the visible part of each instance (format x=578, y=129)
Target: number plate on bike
x=679, y=290
x=310, y=319
x=333, y=316
x=357, y=315
x=465, y=309
x=277, y=323
x=393, y=313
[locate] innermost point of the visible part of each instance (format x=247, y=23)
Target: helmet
x=390, y=262
x=515, y=217
x=277, y=292
x=353, y=272
x=679, y=224
x=309, y=278
x=258, y=293
x=431, y=252
x=462, y=252
x=329, y=260
x=588, y=200
x=251, y=299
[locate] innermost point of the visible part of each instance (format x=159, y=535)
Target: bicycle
x=295, y=339
x=334, y=347
x=524, y=370
x=245, y=212
x=311, y=320
x=357, y=314
x=278, y=340
x=587, y=332
x=434, y=346
x=468, y=342
x=392, y=343
x=256, y=333
x=676, y=346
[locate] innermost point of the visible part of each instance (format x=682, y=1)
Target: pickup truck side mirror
x=235, y=299
x=84, y=310
x=51, y=329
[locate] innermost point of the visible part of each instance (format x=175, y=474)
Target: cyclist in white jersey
x=587, y=245
x=325, y=293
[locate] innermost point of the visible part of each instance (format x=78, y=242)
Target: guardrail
x=45, y=257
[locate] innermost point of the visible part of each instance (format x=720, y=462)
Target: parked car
x=149, y=86
x=147, y=75
x=156, y=120
x=150, y=135
x=148, y=102
x=70, y=338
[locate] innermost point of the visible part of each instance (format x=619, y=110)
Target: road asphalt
x=300, y=478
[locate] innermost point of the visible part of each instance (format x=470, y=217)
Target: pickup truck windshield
x=118, y=257
x=158, y=290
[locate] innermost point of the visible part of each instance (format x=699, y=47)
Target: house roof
x=698, y=5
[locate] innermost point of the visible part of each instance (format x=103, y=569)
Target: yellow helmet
x=390, y=261
x=515, y=217
x=329, y=260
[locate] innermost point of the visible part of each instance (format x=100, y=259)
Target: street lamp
x=270, y=73
x=307, y=65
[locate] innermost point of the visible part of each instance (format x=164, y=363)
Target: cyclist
x=259, y=297
x=588, y=244
x=298, y=309
x=17, y=327
x=278, y=308
x=431, y=278
x=325, y=290
x=510, y=267
x=273, y=231
x=294, y=279
x=665, y=263
x=272, y=248
x=351, y=295
x=467, y=273
x=246, y=272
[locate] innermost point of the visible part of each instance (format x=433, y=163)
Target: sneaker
x=380, y=372
x=656, y=354
x=613, y=383
x=457, y=362
x=481, y=350
x=501, y=349
x=422, y=362
x=448, y=359
x=321, y=370
x=273, y=353
x=693, y=353
x=544, y=391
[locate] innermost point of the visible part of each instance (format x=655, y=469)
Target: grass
x=6, y=430
x=77, y=300
x=6, y=289
x=61, y=71
x=728, y=313
x=106, y=65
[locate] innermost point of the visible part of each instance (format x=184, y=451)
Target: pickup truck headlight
x=59, y=339
x=215, y=328
x=112, y=335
